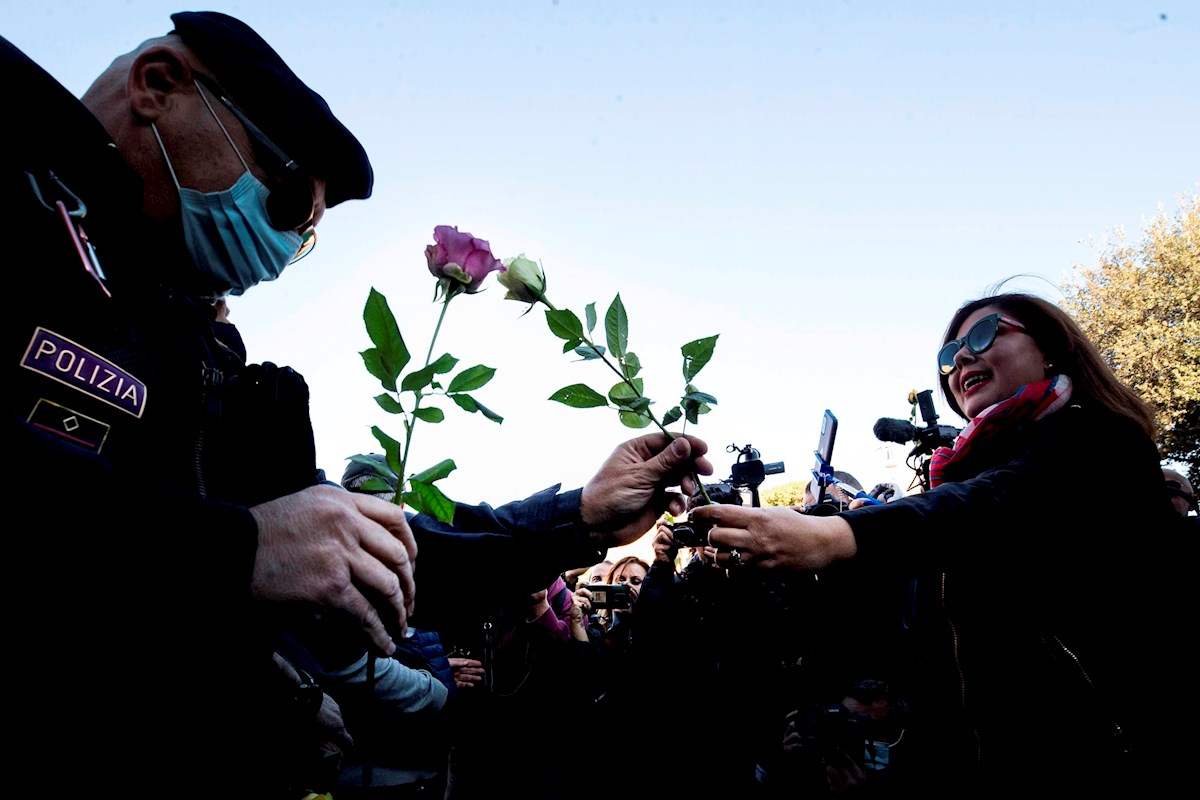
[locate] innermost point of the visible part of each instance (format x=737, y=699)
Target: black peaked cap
x=295, y=117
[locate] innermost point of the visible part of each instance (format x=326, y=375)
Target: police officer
x=168, y=494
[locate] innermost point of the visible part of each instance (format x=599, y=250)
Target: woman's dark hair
x=1067, y=348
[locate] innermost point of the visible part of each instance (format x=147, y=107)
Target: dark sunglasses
x=290, y=204
x=981, y=336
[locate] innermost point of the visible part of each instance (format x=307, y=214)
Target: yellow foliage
x=1140, y=306
x=786, y=494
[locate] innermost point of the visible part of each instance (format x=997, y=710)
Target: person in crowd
x=1183, y=496
x=1055, y=610
x=552, y=610
x=591, y=575
x=835, y=495
x=631, y=571
x=613, y=626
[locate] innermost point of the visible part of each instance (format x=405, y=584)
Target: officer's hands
x=335, y=548
x=624, y=498
x=777, y=538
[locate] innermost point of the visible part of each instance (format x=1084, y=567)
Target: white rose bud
x=523, y=279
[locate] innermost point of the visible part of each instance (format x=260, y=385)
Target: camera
x=926, y=439
x=689, y=534
x=745, y=476
x=614, y=596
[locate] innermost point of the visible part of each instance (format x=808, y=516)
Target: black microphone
x=899, y=431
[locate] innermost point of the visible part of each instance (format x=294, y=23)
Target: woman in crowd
x=1048, y=594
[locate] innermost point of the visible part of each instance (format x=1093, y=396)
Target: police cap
x=293, y=116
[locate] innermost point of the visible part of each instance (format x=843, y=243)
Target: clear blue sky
x=821, y=183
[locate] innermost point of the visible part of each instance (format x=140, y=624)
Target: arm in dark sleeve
x=504, y=554
x=1050, y=486
x=946, y=525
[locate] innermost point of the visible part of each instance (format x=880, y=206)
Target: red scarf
x=1030, y=403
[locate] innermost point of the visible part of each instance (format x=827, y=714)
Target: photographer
x=1052, y=610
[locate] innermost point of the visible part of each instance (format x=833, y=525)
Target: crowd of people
x=199, y=611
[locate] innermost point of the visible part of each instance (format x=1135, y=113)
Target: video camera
x=745, y=476
x=926, y=439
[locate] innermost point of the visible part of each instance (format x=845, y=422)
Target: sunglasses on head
x=290, y=204
x=981, y=336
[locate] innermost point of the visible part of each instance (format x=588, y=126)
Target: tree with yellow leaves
x=1140, y=306
x=786, y=494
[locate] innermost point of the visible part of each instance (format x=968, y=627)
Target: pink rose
x=460, y=257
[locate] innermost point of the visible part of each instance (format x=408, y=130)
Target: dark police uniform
x=135, y=656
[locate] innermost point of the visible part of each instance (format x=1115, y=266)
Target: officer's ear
x=156, y=78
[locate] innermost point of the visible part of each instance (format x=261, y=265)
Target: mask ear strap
x=167, y=158
x=220, y=125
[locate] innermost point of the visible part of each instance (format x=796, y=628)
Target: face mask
x=228, y=233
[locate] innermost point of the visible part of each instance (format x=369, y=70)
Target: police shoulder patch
x=71, y=364
x=69, y=424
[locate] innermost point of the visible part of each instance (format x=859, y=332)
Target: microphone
x=899, y=431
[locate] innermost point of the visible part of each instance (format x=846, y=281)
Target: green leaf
x=616, y=327
x=430, y=414
x=374, y=364
x=696, y=354
x=622, y=393
x=391, y=448
x=671, y=416
x=375, y=486
x=691, y=410
x=443, y=364
x=640, y=404
x=631, y=365
x=465, y=402
x=418, y=380
x=590, y=353
x=428, y=499
x=385, y=335
x=436, y=472
x=564, y=324
x=700, y=397
x=571, y=344
x=578, y=395
x=632, y=419
x=389, y=404
x=471, y=378
x=376, y=462
x=487, y=412
x=590, y=313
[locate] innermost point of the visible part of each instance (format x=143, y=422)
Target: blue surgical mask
x=228, y=233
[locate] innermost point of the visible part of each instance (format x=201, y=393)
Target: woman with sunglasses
x=1043, y=621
